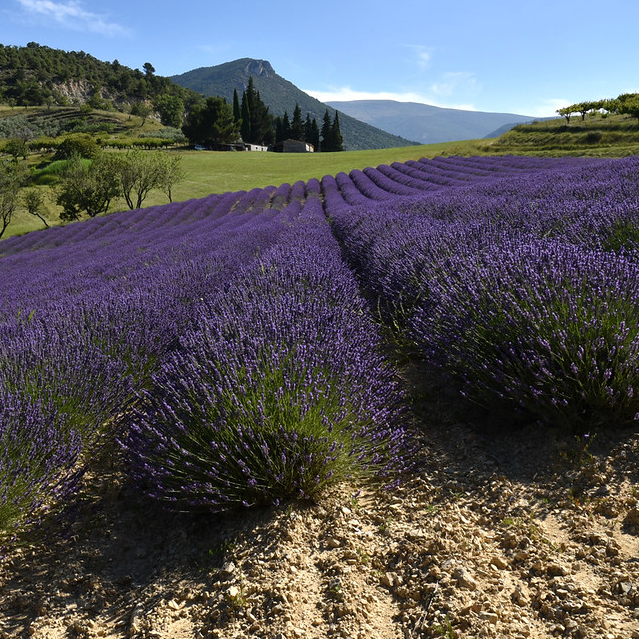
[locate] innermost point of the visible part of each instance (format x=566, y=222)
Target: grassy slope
x=611, y=136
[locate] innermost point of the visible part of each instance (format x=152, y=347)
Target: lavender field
x=236, y=347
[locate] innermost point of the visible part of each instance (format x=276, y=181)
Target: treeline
x=624, y=104
x=215, y=123
x=328, y=139
x=37, y=75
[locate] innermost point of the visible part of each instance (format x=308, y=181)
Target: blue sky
x=491, y=55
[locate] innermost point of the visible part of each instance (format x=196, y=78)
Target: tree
x=297, y=125
x=630, y=106
x=33, y=201
x=311, y=132
x=171, y=172
x=171, y=110
x=282, y=128
x=148, y=69
x=211, y=123
x=326, y=132
x=237, y=109
x=245, y=120
x=81, y=145
x=336, y=135
x=566, y=112
x=259, y=127
x=11, y=176
x=140, y=171
x=143, y=110
x=89, y=186
x=17, y=148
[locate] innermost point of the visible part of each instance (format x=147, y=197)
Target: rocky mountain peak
x=261, y=68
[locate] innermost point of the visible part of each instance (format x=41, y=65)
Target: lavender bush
x=235, y=322
x=279, y=391
x=546, y=329
x=470, y=280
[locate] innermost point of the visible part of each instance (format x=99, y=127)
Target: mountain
x=429, y=124
x=281, y=95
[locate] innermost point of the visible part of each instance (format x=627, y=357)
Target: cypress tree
x=336, y=135
x=297, y=126
x=237, y=111
x=315, y=135
x=245, y=127
x=311, y=132
x=327, y=130
x=259, y=128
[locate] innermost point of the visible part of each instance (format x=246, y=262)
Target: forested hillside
x=37, y=75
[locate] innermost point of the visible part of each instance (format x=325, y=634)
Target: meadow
x=243, y=349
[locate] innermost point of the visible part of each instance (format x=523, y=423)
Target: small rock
x=464, y=579
x=228, y=568
x=622, y=588
x=520, y=597
x=556, y=570
x=387, y=579
x=135, y=624
x=333, y=542
x=499, y=562
x=490, y=617
x=632, y=518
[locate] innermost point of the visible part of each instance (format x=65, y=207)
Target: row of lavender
x=524, y=292
x=277, y=390
x=254, y=364
x=90, y=310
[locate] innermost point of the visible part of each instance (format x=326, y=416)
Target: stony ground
x=499, y=533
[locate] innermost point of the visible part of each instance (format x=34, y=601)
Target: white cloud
x=70, y=14
x=543, y=109
x=453, y=82
x=339, y=94
x=422, y=55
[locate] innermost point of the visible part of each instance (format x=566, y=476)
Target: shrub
x=82, y=145
x=543, y=328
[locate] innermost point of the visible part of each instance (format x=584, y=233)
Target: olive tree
x=142, y=171
x=33, y=201
x=11, y=175
x=89, y=186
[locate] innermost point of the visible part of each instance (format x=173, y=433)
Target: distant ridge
x=429, y=124
x=281, y=95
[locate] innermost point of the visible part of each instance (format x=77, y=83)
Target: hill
x=280, y=95
x=429, y=124
x=38, y=75
x=596, y=134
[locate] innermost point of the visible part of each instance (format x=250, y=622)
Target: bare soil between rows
x=498, y=533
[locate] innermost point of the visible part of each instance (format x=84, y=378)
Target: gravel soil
x=499, y=532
